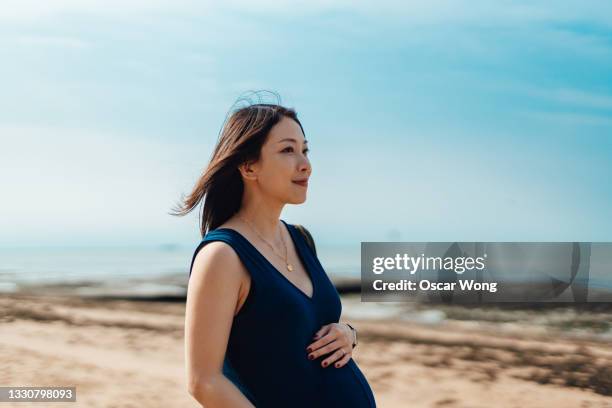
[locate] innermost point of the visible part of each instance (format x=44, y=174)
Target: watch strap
x=354, y=334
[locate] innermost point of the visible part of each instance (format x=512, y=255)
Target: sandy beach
x=125, y=353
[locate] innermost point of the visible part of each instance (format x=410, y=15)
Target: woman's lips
x=302, y=183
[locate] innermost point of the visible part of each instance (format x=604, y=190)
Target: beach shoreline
x=129, y=353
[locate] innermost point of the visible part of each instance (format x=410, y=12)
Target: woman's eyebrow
x=290, y=139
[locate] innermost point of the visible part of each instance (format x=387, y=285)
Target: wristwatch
x=354, y=334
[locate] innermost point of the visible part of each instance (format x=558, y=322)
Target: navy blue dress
x=266, y=354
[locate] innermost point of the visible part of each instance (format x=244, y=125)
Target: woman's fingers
x=335, y=346
x=325, y=335
x=322, y=331
x=343, y=360
x=338, y=356
x=326, y=349
x=328, y=337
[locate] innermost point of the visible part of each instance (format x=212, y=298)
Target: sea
x=158, y=272
x=146, y=271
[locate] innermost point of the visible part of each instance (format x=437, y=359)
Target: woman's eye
x=290, y=149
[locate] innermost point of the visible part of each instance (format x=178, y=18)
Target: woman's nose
x=305, y=166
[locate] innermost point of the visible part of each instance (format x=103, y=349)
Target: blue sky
x=427, y=120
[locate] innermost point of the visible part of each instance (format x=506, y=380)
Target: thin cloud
x=416, y=11
x=53, y=41
x=60, y=176
x=568, y=118
x=580, y=98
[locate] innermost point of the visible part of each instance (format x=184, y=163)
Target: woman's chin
x=298, y=200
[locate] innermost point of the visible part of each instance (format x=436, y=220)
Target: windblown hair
x=220, y=187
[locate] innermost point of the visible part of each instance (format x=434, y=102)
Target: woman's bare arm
x=212, y=296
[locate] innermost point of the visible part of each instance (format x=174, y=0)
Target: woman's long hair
x=220, y=187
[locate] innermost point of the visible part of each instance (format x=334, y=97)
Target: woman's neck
x=262, y=219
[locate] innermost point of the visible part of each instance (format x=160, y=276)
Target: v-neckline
x=297, y=250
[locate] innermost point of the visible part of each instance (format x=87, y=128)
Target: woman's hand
x=336, y=338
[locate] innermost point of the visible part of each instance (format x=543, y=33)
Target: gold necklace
x=289, y=266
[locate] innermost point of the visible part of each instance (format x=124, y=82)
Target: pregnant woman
x=262, y=317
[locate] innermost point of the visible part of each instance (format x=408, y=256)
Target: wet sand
x=124, y=353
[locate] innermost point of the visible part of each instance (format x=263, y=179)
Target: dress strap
x=232, y=238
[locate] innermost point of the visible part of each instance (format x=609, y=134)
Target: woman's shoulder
x=217, y=258
x=215, y=254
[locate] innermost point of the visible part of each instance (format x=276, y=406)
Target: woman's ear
x=247, y=170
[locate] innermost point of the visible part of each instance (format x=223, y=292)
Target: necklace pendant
x=290, y=267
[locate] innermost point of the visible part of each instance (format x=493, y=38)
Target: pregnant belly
x=346, y=387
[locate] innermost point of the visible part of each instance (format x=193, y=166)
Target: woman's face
x=283, y=161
